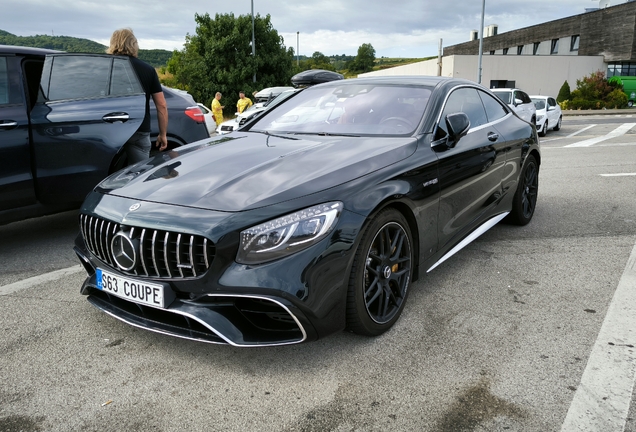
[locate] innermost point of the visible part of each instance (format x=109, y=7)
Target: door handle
x=118, y=117
x=493, y=136
x=8, y=124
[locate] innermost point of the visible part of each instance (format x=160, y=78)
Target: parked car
x=63, y=121
x=269, y=93
x=519, y=101
x=210, y=123
x=316, y=216
x=548, y=114
x=251, y=112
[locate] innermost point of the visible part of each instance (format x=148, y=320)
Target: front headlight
x=287, y=234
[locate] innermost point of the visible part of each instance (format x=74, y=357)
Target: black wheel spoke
x=388, y=267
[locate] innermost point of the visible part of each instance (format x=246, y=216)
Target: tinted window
x=494, y=110
x=504, y=96
x=4, y=82
x=551, y=102
x=465, y=100
x=124, y=80
x=77, y=77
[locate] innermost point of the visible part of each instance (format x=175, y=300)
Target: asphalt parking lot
x=499, y=338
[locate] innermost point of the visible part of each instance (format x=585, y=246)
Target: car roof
x=539, y=97
x=12, y=49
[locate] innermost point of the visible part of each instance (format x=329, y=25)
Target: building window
x=535, y=48
x=621, y=69
x=519, y=49
x=505, y=51
x=554, y=48
x=492, y=52
x=574, y=43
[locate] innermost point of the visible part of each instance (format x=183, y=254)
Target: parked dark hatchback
x=314, y=218
x=63, y=121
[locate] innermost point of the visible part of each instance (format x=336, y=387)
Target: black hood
x=250, y=170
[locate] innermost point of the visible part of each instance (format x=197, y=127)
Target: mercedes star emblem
x=124, y=251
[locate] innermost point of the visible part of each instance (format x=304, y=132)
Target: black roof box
x=314, y=76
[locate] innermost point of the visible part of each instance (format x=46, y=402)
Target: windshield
x=539, y=103
x=504, y=95
x=349, y=109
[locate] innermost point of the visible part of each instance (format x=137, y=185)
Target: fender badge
x=134, y=207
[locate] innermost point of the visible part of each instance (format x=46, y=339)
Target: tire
x=558, y=125
x=381, y=274
x=630, y=103
x=544, y=129
x=525, y=199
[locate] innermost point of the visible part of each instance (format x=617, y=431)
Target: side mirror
x=551, y=108
x=458, y=125
x=518, y=102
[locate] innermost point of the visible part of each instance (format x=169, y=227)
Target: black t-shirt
x=150, y=83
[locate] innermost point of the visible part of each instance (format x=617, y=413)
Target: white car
x=209, y=119
x=548, y=114
x=519, y=101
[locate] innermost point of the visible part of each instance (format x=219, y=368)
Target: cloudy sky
x=404, y=28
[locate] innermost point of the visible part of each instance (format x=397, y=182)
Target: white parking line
x=582, y=130
x=619, y=131
x=602, y=399
x=618, y=175
x=35, y=280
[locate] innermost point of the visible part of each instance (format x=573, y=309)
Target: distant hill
x=155, y=57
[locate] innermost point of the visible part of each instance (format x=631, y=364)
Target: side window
x=4, y=81
x=464, y=100
x=494, y=110
x=525, y=98
x=123, y=81
x=551, y=102
x=79, y=77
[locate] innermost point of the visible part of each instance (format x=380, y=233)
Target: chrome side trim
x=472, y=236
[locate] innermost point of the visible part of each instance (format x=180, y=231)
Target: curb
x=625, y=111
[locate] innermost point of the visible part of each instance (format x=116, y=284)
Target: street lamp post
x=297, y=50
x=481, y=39
x=253, y=44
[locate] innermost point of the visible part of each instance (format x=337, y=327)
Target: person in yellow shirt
x=217, y=109
x=243, y=102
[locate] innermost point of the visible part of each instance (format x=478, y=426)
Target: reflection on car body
x=315, y=217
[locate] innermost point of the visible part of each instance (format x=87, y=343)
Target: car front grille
x=158, y=253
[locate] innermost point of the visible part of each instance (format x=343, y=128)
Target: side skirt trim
x=470, y=238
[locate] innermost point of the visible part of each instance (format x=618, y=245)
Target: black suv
x=64, y=119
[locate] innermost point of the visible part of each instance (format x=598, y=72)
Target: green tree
x=564, y=92
x=317, y=61
x=365, y=60
x=595, y=92
x=218, y=57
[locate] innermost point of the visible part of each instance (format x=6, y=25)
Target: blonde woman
x=123, y=42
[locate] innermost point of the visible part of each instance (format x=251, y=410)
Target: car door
x=552, y=112
x=88, y=107
x=16, y=179
x=471, y=171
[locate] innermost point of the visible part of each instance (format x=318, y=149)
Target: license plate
x=130, y=289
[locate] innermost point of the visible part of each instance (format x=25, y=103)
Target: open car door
x=88, y=106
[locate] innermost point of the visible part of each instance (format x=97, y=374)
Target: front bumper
x=292, y=300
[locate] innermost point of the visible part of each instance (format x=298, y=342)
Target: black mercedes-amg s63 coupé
x=313, y=218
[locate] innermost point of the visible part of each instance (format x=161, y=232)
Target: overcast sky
x=404, y=28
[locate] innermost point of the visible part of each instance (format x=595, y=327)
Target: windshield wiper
x=264, y=132
x=326, y=134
